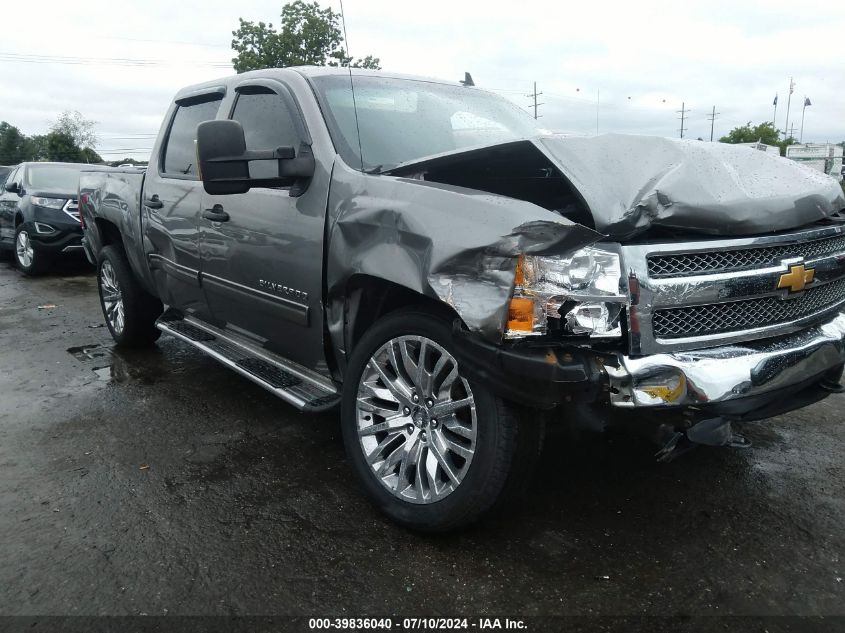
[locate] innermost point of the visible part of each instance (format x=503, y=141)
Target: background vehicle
x=4, y=171
x=421, y=257
x=39, y=216
x=824, y=157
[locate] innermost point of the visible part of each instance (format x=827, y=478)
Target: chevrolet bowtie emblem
x=797, y=278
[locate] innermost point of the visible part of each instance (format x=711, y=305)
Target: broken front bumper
x=735, y=378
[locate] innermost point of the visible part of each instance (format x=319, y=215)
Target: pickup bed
x=417, y=253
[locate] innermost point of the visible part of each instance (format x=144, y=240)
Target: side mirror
x=224, y=160
x=12, y=187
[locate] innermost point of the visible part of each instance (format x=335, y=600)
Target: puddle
x=87, y=353
x=104, y=373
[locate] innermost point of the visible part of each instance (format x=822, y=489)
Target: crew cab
x=417, y=253
x=39, y=217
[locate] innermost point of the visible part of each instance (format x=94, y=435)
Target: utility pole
x=534, y=95
x=683, y=112
x=791, y=131
x=598, y=101
x=712, y=118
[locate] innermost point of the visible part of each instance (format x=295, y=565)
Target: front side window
x=180, y=156
x=12, y=177
x=403, y=120
x=268, y=123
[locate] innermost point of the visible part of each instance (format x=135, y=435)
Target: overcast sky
x=639, y=60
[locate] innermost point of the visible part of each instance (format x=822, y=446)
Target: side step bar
x=292, y=383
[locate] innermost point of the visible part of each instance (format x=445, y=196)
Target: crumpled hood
x=631, y=183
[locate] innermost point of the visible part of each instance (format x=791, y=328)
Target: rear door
x=170, y=207
x=262, y=267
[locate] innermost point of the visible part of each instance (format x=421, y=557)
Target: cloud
x=641, y=60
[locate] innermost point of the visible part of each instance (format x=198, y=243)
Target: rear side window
x=268, y=123
x=180, y=156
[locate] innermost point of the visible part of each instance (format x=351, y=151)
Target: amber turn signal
x=521, y=315
x=519, y=277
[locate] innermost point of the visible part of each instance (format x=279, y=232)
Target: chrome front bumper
x=728, y=373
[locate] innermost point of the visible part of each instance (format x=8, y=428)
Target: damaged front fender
x=448, y=243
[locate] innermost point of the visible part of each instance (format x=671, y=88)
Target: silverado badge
x=796, y=279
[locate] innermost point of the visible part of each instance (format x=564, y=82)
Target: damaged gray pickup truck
x=421, y=255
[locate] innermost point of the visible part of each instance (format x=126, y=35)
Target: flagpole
x=788, y=104
x=803, y=110
x=775, y=115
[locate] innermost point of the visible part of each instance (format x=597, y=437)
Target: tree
x=309, y=36
x=69, y=141
x=13, y=144
x=127, y=161
x=764, y=133
x=77, y=127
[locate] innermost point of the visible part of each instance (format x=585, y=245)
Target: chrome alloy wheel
x=111, y=296
x=23, y=248
x=416, y=419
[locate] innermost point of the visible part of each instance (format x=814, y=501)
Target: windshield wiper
x=379, y=169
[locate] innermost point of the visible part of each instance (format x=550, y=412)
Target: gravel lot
x=158, y=482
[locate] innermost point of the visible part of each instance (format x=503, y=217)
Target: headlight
x=583, y=290
x=51, y=203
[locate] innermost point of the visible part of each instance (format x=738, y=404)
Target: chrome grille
x=712, y=262
x=718, y=318
x=72, y=209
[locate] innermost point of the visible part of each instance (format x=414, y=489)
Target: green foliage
x=77, y=127
x=309, y=36
x=127, y=161
x=764, y=133
x=60, y=147
x=14, y=146
x=69, y=140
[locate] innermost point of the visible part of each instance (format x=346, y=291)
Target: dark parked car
x=39, y=216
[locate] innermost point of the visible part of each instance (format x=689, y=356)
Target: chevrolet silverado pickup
x=417, y=253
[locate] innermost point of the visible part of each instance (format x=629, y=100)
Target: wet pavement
x=158, y=482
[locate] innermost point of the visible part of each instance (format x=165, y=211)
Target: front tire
x=28, y=260
x=433, y=449
x=130, y=311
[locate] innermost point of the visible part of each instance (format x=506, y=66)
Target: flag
x=775, y=102
x=807, y=101
x=791, y=86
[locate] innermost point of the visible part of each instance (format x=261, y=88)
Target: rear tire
x=426, y=467
x=129, y=310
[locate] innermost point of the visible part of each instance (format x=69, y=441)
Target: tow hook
x=709, y=432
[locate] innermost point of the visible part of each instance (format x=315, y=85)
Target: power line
x=29, y=58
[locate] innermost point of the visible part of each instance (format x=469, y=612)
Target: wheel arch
x=108, y=233
x=367, y=298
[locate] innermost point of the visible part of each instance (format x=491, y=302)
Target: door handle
x=216, y=214
x=153, y=202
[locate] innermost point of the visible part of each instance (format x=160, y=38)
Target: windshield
x=402, y=120
x=58, y=177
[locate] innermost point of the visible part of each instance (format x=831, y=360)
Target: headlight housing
x=50, y=203
x=583, y=290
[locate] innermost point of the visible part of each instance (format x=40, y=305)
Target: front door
x=8, y=208
x=262, y=250
x=170, y=207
